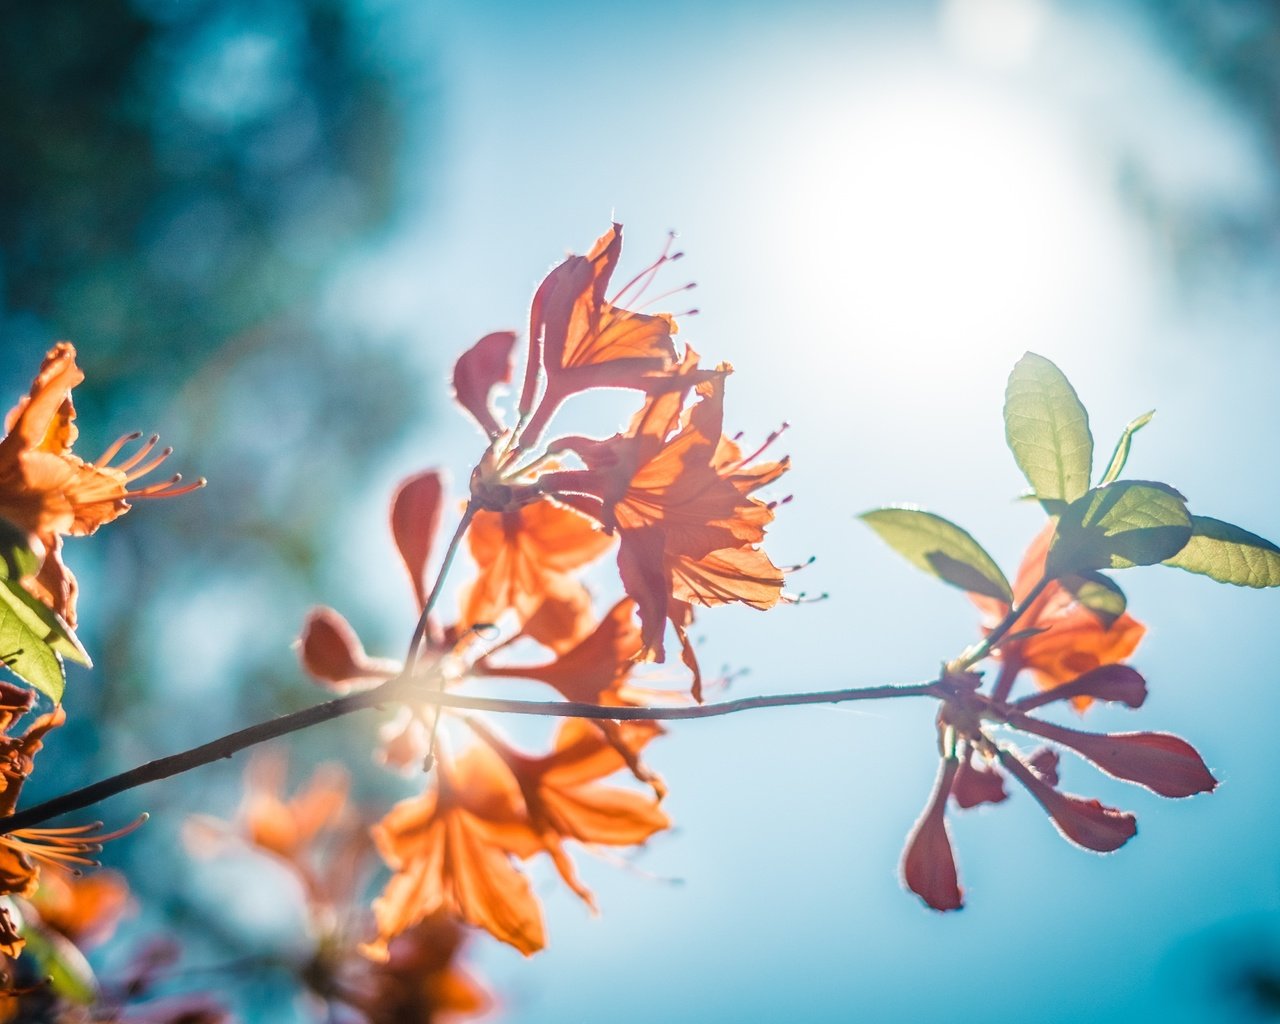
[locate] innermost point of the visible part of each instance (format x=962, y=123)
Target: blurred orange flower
x=451, y=849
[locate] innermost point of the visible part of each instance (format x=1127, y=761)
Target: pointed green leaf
x=47, y=624
x=1121, y=455
x=16, y=557
x=1229, y=554
x=1048, y=430
x=23, y=648
x=940, y=547
x=1099, y=594
x=1127, y=523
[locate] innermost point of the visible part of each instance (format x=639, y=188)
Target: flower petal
x=1117, y=683
x=1085, y=822
x=415, y=520
x=478, y=371
x=974, y=785
x=331, y=653
x=928, y=865
x=1164, y=763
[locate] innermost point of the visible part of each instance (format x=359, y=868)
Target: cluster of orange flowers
x=47, y=910
x=672, y=492
x=677, y=499
x=319, y=838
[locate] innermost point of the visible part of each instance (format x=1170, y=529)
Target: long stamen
x=167, y=488
x=113, y=449
x=666, y=295
x=645, y=277
x=773, y=436
x=69, y=844
x=148, y=466
x=139, y=455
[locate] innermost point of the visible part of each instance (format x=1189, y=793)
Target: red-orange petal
x=928, y=863
x=415, y=520
x=480, y=369
x=1161, y=762
x=1085, y=822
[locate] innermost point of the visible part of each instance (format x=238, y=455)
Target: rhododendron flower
x=580, y=339
x=679, y=497
x=49, y=492
x=1163, y=763
x=564, y=800
x=451, y=849
x=454, y=848
x=596, y=671
x=85, y=909
x=22, y=851
x=525, y=556
x=419, y=982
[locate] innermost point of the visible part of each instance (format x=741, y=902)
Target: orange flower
x=595, y=671
x=22, y=851
x=85, y=909
x=49, y=492
x=419, y=983
x=312, y=832
x=451, y=849
x=1074, y=639
x=592, y=672
x=579, y=339
x=524, y=557
x=563, y=797
x=678, y=492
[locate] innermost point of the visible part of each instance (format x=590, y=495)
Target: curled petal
x=478, y=371
x=44, y=419
x=1116, y=683
x=974, y=785
x=415, y=519
x=1044, y=762
x=928, y=865
x=1086, y=823
x=332, y=654
x=1165, y=764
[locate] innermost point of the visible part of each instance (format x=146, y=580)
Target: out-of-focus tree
x=182, y=179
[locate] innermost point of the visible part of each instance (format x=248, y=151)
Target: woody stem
x=399, y=689
x=1016, y=612
x=420, y=631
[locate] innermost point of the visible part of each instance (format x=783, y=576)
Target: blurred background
x=270, y=227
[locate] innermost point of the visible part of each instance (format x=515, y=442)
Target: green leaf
x=65, y=967
x=1229, y=554
x=52, y=628
x=1126, y=523
x=940, y=547
x=1121, y=455
x=1048, y=430
x=16, y=557
x=32, y=638
x=1099, y=594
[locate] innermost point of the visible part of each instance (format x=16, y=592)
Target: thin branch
x=420, y=630
x=976, y=654
x=403, y=688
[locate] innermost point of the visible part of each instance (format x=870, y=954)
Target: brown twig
x=402, y=688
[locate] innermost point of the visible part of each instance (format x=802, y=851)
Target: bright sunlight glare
x=954, y=216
